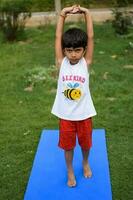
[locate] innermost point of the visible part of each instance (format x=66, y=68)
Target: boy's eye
x=77, y=50
x=69, y=50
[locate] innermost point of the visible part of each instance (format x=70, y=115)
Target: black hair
x=74, y=37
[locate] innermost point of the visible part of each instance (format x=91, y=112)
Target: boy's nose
x=73, y=54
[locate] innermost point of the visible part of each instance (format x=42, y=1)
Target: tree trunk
x=57, y=6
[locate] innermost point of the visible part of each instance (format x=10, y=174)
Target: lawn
x=27, y=91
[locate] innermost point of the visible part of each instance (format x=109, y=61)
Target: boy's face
x=74, y=54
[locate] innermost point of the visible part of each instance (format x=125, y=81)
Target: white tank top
x=73, y=99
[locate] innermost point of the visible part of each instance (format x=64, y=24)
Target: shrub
x=40, y=74
x=121, y=22
x=13, y=15
x=122, y=17
x=121, y=3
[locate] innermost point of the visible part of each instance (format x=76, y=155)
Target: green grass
x=23, y=114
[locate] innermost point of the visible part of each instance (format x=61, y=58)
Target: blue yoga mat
x=48, y=177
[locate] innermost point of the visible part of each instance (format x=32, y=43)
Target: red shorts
x=68, y=131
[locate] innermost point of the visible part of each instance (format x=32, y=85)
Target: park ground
x=28, y=85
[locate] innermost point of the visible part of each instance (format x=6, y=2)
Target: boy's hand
x=70, y=10
x=83, y=10
x=75, y=9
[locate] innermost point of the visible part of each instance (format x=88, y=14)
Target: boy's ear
x=64, y=51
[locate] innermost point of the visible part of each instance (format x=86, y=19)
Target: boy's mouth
x=73, y=62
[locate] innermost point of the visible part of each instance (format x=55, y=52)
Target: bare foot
x=87, y=170
x=71, y=180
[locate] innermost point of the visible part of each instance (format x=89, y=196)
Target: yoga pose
x=73, y=103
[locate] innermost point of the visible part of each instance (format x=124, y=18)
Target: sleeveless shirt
x=73, y=99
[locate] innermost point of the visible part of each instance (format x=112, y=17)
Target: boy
x=73, y=104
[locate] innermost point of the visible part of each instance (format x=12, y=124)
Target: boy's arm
x=59, y=32
x=89, y=26
x=58, y=38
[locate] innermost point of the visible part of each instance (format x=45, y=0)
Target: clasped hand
x=75, y=9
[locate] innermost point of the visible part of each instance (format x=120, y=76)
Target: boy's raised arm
x=59, y=32
x=89, y=25
x=58, y=37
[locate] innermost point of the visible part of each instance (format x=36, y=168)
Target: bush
x=13, y=15
x=122, y=17
x=122, y=21
x=121, y=3
x=40, y=75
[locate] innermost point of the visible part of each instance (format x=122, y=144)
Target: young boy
x=73, y=104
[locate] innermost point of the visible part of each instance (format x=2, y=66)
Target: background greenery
x=48, y=5
x=27, y=91
x=14, y=14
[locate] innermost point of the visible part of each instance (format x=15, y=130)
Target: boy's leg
x=67, y=141
x=84, y=129
x=86, y=166
x=69, y=160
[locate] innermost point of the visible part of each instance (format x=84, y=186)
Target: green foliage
x=97, y=3
x=40, y=75
x=43, y=5
x=122, y=21
x=120, y=3
x=13, y=14
x=49, y=5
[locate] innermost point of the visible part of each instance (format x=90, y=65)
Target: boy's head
x=74, y=42
x=74, y=38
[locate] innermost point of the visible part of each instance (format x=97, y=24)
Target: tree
x=57, y=6
x=13, y=15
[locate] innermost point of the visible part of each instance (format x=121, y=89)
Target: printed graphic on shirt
x=73, y=78
x=73, y=91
